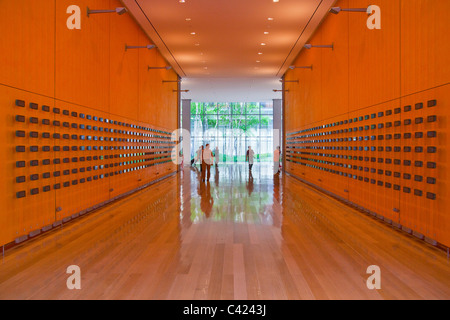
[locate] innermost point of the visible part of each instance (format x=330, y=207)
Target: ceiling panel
x=229, y=41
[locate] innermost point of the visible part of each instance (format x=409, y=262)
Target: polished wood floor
x=238, y=236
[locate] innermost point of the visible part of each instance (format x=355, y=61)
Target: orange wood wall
x=103, y=121
x=369, y=122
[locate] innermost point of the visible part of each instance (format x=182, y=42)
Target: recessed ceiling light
x=263, y=44
x=188, y=19
x=258, y=61
x=192, y=33
x=197, y=44
x=183, y=1
x=266, y=32
x=270, y=19
x=259, y=52
x=276, y=0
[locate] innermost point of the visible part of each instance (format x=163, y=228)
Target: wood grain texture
x=283, y=240
x=28, y=45
x=81, y=71
x=370, y=72
x=424, y=56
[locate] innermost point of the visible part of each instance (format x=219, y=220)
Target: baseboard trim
x=377, y=217
x=56, y=224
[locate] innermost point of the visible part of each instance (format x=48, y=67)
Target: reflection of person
x=201, y=159
x=206, y=163
x=276, y=188
x=276, y=161
x=207, y=201
x=216, y=155
x=249, y=157
x=216, y=177
x=250, y=183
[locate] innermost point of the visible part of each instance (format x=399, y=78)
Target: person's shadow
x=207, y=201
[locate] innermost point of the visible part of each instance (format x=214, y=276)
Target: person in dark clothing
x=249, y=157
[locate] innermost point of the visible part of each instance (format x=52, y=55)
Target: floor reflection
x=233, y=193
x=240, y=236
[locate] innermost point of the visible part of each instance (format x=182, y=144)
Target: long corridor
x=241, y=235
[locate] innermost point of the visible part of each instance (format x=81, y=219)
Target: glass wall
x=233, y=127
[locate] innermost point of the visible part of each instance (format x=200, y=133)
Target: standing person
x=206, y=163
x=249, y=157
x=216, y=155
x=200, y=159
x=276, y=161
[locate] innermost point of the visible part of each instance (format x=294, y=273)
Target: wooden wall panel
x=359, y=189
x=290, y=102
x=311, y=97
x=427, y=213
x=387, y=202
x=152, y=87
x=398, y=148
x=82, y=56
x=170, y=99
x=21, y=214
x=27, y=45
x=87, y=147
x=124, y=73
x=126, y=181
x=336, y=182
x=163, y=95
x=424, y=49
x=147, y=105
x=374, y=55
x=305, y=97
x=39, y=210
x=82, y=132
x=334, y=65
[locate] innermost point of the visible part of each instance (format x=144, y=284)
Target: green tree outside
x=241, y=118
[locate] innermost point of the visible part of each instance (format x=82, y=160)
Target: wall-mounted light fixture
x=164, y=81
x=309, y=46
x=149, y=46
x=118, y=10
x=336, y=10
x=373, y=11
x=284, y=81
x=300, y=67
x=166, y=67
